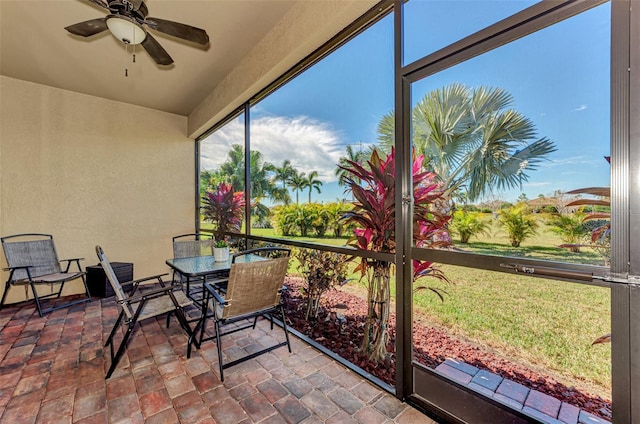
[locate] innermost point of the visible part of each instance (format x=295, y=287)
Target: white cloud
x=581, y=107
x=309, y=144
x=537, y=184
x=573, y=161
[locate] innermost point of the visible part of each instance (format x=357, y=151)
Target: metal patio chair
x=189, y=246
x=268, y=252
x=144, y=301
x=253, y=290
x=33, y=261
x=193, y=244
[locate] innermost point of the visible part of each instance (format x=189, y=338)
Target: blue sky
x=559, y=78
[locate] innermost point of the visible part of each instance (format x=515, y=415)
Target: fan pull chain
x=134, y=45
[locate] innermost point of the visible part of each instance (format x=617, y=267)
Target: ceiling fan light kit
x=126, y=21
x=126, y=30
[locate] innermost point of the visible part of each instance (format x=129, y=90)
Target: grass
x=546, y=324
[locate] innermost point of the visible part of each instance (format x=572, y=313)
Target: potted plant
x=221, y=250
x=224, y=208
x=373, y=214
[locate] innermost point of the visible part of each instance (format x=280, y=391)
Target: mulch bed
x=431, y=347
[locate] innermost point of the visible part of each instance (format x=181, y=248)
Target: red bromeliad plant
x=224, y=208
x=373, y=186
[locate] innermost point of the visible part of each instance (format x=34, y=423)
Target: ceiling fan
x=128, y=22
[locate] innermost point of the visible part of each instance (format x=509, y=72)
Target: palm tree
x=312, y=182
x=262, y=185
x=283, y=174
x=233, y=167
x=297, y=182
x=472, y=139
x=352, y=156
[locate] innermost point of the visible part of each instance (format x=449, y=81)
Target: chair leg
x=86, y=288
x=113, y=330
x=4, y=295
x=219, y=347
x=182, y=319
x=284, y=327
x=121, y=348
x=203, y=319
x=35, y=297
x=59, y=290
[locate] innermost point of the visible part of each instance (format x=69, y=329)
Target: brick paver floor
x=52, y=371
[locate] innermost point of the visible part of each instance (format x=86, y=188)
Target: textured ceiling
x=34, y=46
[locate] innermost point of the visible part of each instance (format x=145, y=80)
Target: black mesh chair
x=143, y=301
x=33, y=261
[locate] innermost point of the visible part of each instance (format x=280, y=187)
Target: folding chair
x=253, y=290
x=33, y=260
x=145, y=301
x=194, y=244
x=268, y=252
x=189, y=246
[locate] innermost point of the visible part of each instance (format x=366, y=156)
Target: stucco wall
x=93, y=171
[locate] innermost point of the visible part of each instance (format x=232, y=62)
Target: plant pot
x=221, y=254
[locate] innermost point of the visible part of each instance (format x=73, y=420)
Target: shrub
x=322, y=271
x=518, y=223
x=570, y=228
x=467, y=224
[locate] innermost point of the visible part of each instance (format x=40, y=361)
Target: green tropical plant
x=467, y=224
x=322, y=271
x=225, y=209
x=305, y=218
x=260, y=214
x=334, y=212
x=373, y=214
x=601, y=233
x=285, y=220
x=320, y=218
x=518, y=223
x=570, y=228
x=472, y=139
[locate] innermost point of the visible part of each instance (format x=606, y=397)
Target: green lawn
x=547, y=323
x=542, y=323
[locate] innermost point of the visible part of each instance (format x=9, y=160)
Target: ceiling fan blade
x=100, y=3
x=88, y=28
x=186, y=32
x=156, y=51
